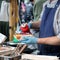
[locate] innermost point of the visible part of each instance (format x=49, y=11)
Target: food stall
x=16, y=53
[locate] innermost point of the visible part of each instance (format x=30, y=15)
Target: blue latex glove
x=29, y=24
x=28, y=40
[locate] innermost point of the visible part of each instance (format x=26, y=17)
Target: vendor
x=49, y=34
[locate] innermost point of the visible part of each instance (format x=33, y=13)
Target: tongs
x=19, y=49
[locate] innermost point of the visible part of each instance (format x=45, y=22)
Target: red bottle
x=24, y=28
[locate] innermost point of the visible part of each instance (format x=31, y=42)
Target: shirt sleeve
x=57, y=22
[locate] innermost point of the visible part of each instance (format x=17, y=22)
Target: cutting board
x=39, y=57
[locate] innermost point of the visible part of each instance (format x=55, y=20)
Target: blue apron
x=46, y=30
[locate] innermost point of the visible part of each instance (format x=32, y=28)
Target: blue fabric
x=46, y=30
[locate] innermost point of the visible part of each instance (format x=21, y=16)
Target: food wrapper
x=17, y=37
x=15, y=40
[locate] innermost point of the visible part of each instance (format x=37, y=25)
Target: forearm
x=49, y=40
x=35, y=25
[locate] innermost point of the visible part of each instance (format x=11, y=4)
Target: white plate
x=11, y=43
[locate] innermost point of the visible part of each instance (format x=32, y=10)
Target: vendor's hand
x=29, y=24
x=28, y=40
